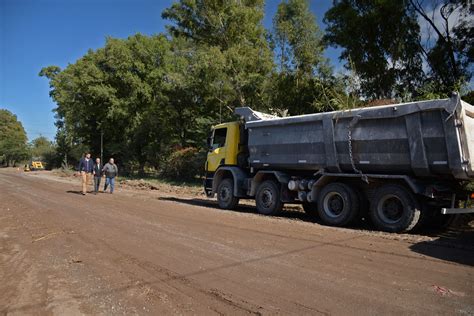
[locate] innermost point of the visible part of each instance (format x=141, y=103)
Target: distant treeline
x=155, y=97
x=14, y=146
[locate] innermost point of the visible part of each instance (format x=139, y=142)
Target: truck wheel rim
x=333, y=204
x=225, y=193
x=267, y=198
x=390, y=209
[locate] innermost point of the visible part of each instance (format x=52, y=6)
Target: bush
x=184, y=164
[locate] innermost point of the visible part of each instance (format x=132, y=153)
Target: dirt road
x=141, y=253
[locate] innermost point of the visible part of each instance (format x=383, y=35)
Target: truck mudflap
x=448, y=211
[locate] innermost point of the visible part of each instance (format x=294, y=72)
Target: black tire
x=225, y=195
x=394, y=209
x=338, y=204
x=268, y=198
x=310, y=208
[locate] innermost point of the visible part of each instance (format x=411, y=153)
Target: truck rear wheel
x=394, y=209
x=338, y=204
x=268, y=198
x=225, y=195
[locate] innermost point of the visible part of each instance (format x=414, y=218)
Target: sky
x=39, y=33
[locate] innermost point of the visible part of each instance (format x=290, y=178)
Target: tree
x=304, y=73
x=146, y=94
x=469, y=97
x=381, y=40
x=228, y=35
x=116, y=90
x=299, y=40
x=151, y=95
x=41, y=147
x=13, y=139
x=451, y=56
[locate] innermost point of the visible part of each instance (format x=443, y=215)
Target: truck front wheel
x=394, y=209
x=225, y=195
x=268, y=198
x=338, y=204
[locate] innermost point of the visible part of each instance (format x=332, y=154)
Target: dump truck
x=399, y=165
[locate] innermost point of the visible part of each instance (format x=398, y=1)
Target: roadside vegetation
x=154, y=98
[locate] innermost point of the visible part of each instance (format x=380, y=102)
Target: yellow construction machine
x=33, y=166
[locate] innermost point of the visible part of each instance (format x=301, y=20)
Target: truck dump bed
x=426, y=139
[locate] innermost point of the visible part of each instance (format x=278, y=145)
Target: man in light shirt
x=86, y=167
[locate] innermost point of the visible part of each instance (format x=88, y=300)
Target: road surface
x=140, y=253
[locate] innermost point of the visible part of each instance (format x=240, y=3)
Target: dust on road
x=155, y=253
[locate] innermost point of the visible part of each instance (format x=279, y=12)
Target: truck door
x=217, y=150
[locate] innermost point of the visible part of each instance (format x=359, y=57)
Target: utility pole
x=102, y=146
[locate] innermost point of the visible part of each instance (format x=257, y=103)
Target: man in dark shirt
x=97, y=174
x=85, y=169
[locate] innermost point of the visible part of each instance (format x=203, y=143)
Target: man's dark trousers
x=96, y=183
x=97, y=176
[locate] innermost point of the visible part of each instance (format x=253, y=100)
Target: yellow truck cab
x=223, y=146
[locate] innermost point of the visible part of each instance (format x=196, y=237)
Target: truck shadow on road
x=443, y=249
x=454, y=245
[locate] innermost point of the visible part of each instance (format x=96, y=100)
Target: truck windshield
x=219, y=138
